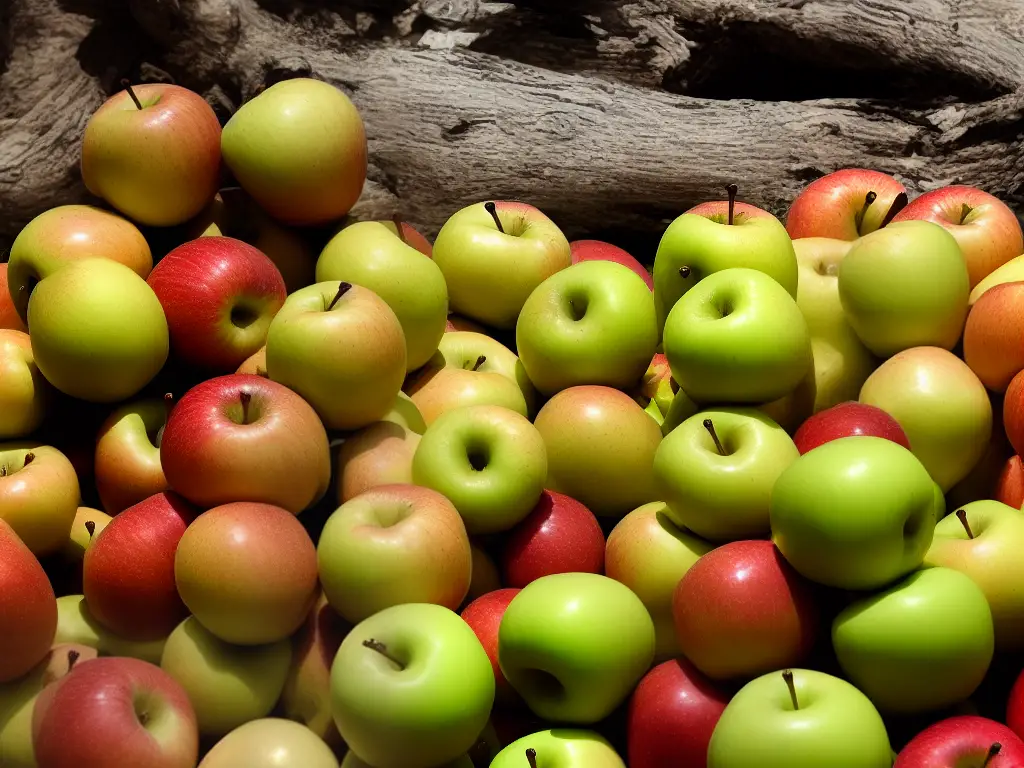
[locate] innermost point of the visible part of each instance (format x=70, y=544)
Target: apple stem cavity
x=343, y=288
x=399, y=228
x=379, y=647
x=90, y=528
x=245, y=398
x=531, y=757
x=787, y=676
x=29, y=458
x=961, y=515
x=3, y=470
x=492, y=209
x=127, y=85
x=965, y=211
x=869, y=198
x=479, y=362
x=898, y=205
x=709, y=425
x=262, y=372
x=73, y=657
x=732, y=189
x=993, y=751
x=684, y=272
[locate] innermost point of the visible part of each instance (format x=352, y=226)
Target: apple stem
x=869, y=198
x=73, y=656
x=961, y=515
x=684, y=272
x=965, y=211
x=399, y=228
x=127, y=85
x=732, y=189
x=3, y=470
x=492, y=209
x=709, y=425
x=261, y=372
x=898, y=205
x=245, y=397
x=479, y=362
x=379, y=647
x=787, y=675
x=90, y=528
x=29, y=458
x=994, y=750
x=531, y=757
x=343, y=288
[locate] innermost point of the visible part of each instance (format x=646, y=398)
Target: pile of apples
x=307, y=493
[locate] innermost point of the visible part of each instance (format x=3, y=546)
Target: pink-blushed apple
x=597, y=250
x=219, y=296
x=9, y=319
x=39, y=495
x=843, y=205
x=962, y=741
x=246, y=438
x=28, y=608
x=1013, y=413
x=380, y=454
x=484, y=617
x=994, y=335
x=127, y=462
x=23, y=390
x=1009, y=487
x=458, y=323
x=847, y=420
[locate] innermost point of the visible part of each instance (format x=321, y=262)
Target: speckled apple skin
x=28, y=608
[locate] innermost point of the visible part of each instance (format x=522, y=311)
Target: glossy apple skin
x=672, y=714
x=128, y=572
x=558, y=747
x=848, y=420
x=484, y=617
x=219, y=296
x=127, y=461
x=993, y=339
x=23, y=391
x=270, y=743
x=1015, y=707
x=560, y=535
x=211, y=455
x=1013, y=413
x=376, y=455
x=80, y=539
x=9, y=319
x=221, y=569
x=1010, y=485
x=830, y=206
x=962, y=741
x=941, y=405
x=38, y=501
x=596, y=250
x=28, y=608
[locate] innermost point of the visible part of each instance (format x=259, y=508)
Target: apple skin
x=992, y=342
x=1015, y=706
x=596, y=250
x=38, y=500
x=836, y=726
x=115, y=712
x=574, y=645
x=485, y=578
x=159, y=165
x=405, y=414
x=28, y=608
x=600, y=448
x=1011, y=272
x=76, y=625
x=9, y=319
x=274, y=450
x=98, y=330
x=379, y=454
x=127, y=461
x=848, y=420
x=962, y=741
x=831, y=206
x=23, y=393
x=255, y=364
x=1013, y=413
x=561, y=748
x=591, y=323
x=854, y=513
x=989, y=235
x=219, y=296
x=379, y=706
x=270, y=743
x=672, y=714
x=221, y=569
x=483, y=616
x=79, y=540
x=491, y=273
x=392, y=545
x=1010, y=485
x=941, y=405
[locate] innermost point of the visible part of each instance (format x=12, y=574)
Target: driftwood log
x=613, y=116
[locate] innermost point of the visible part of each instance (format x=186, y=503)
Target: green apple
x=373, y=255
x=559, y=748
x=819, y=721
x=905, y=286
x=411, y=687
x=87, y=525
x=984, y=540
x=406, y=414
x=681, y=408
x=574, y=645
x=703, y=241
x=494, y=254
x=942, y=406
x=592, y=323
x=716, y=471
x=299, y=148
x=77, y=626
x=270, y=743
x=1010, y=272
x=737, y=336
x=98, y=331
x=854, y=513
x=900, y=648
x=342, y=348
x=489, y=461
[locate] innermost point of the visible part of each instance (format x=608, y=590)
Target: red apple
x=1010, y=485
x=114, y=713
x=127, y=461
x=994, y=335
x=560, y=535
x=28, y=608
x=1015, y=707
x=742, y=611
x=128, y=572
x=672, y=714
x=596, y=250
x=219, y=295
x=848, y=420
x=484, y=617
x=8, y=314
x=413, y=237
x=962, y=742
x=246, y=438
x=837, y=205
x=1013, y=413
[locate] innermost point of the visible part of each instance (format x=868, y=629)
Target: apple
x=228, y=685
x=255, y=364
x=75, y=624
x=153, y=152
x=844, y=205
x=376, y=455
x=716, y=236
x=672, y=714
x=28, y=609
x=270, y=743
x=299, y=148
x=376, y=255
x=245, y=438
x=679, y=410
x=411, y=685
x=559, y=748
x=1014, y=706
x=391, y=545
x=342, y=348
x=656, y=390
x=127, y=461
x=128, y=572
x=39, y=495
x=483, y=616
x=941, y=405
x=574, y=645
x=799, y=717
x=986, y=230
x=965, y=740
x=98, y=331
x=1013, y=413
x=494, y=254
x=247, y=572
x=560, y=535
x=457, y=323
x=23, y=392
x=716, y=470
x=219, y=296
x=848, y=419
x=991, y=340
x=9, y=319
x=352, y=761
x=489, y=461
x=485, y=577
x=600, y=449
x=592, y=323
x=405, y=414
x=855, y=513
x=596, y=250
x=715, y=339
x=86, y=528
x=115, y=712
x=1011, y=272
x=1010, y=485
